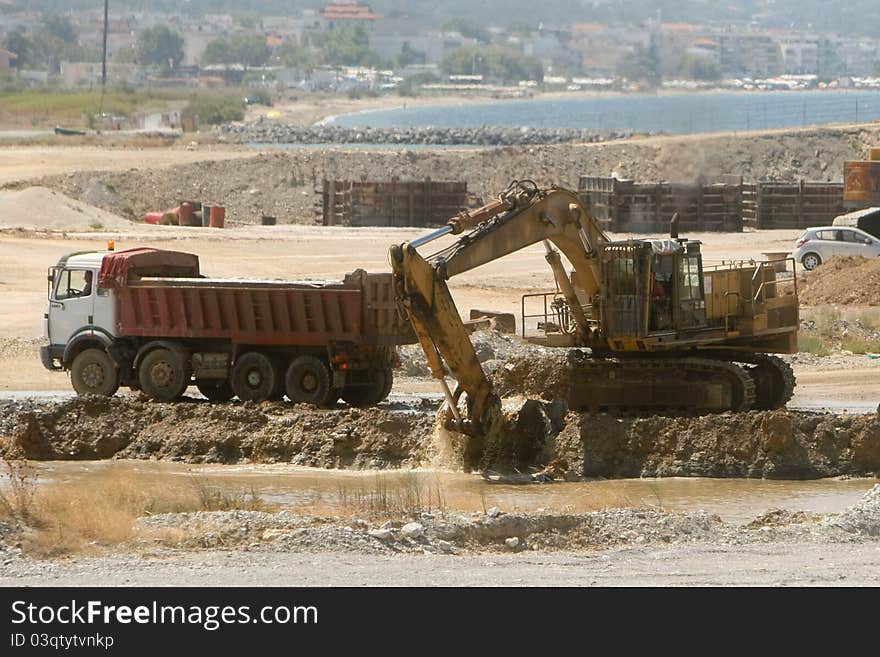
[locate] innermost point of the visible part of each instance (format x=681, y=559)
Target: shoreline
x=326, y=116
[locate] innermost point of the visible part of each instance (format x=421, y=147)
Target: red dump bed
x=160, y=294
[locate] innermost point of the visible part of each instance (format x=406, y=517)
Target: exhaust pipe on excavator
x=673, y=226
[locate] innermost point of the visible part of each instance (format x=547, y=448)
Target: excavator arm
x=521, y=216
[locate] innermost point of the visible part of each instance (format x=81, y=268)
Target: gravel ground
x=607, y=548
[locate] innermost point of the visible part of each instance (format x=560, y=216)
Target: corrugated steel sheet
x=242, y=313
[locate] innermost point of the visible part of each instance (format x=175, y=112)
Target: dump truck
x=649, y=327
x=148, y=319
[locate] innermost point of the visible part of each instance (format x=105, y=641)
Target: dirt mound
x=196, y=432
x=494, y=350
x=283, y=184
x=843, y=280
x=772, y=444
x=39, y=208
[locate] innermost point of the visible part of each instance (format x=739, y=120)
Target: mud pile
x=772, y=444
x=847, y=281
x=198, y=432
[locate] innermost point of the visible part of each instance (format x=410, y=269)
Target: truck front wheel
x=162, y=374
x=308, y=381
x=94, y=373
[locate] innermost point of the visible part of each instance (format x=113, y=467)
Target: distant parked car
x=258, y=98
x=817, y=245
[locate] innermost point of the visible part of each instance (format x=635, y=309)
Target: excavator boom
x=521, y=216
x=664, y=333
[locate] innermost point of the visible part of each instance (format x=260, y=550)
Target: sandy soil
x=309, y=108
x=19, y=163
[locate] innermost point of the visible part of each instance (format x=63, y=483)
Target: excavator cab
x=651, y=288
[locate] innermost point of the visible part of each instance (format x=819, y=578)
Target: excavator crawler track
x=659, y=385
x=774, y=380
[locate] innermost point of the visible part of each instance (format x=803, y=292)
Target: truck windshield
x=73, y=283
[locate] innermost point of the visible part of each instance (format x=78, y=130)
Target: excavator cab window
x=661, y=301
x=623, y=271
x=692, y=306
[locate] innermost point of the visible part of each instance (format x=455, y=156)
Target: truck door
x=71, y=304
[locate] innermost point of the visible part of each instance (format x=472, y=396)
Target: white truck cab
x=79, y=315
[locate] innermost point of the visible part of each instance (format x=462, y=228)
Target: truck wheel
x=216, y=391
x=94, y=373
x=308, y=381
x=255, y=377
x=373, y=392
x=162, y=374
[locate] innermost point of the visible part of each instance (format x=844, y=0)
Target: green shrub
x=860, y=345
x=215, y=108
x=814, y=344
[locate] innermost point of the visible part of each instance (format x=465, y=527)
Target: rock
x=445, y=546
x=494, y=512
x=412, y=530
x=391, y=524
x=513, y=543
x=381, y=534
x=273, y=534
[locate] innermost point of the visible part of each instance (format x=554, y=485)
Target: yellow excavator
x=649, y=327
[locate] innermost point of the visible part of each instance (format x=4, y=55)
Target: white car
x=819, y=244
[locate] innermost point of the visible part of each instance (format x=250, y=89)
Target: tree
x=160, y=46
x=296, y=55
x=409, y=55
x=503, y=63
x=247, y=49
x=23, y=48
x=641, y=64
x=468, y=28
x=347, y=47
x=60, y=28
x=695, y=67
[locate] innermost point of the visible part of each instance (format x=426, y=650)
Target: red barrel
x=186, y=215
x=153, y=217
x=218, y=216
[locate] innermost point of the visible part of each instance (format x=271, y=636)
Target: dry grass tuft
x=401, y=495
x=71, y=516
x=17, y=502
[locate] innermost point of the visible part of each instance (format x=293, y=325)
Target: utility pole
x=104, y=55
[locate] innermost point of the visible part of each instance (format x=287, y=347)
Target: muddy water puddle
x=332, y=492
